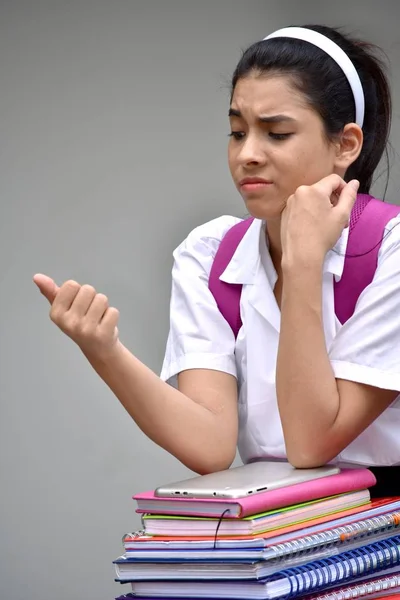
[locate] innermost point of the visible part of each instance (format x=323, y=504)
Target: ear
x=348, y=146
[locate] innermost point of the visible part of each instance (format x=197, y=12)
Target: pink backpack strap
x=368, y=220
x=227, y=295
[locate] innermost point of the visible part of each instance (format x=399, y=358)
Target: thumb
x=348, y=197
x=47, y=286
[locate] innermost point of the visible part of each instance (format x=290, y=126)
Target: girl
x=310, y=117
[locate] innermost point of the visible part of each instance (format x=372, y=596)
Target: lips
x=254, y=181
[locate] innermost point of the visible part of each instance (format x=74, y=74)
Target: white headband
x=338, y=55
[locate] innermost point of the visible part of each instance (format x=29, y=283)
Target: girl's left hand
x=314, y=218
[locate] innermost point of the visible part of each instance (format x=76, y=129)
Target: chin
x=265, y=210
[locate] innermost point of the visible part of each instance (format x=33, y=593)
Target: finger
x=47, y=286
x=83, y=300
x=330, y=184
x=97, y=309
x=65, y=297
x=348, y=197
x=110, y=319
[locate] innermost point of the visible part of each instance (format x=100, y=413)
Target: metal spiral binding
x=362, y=589
x=365, y=560
x=347, y=534
x=133, y=534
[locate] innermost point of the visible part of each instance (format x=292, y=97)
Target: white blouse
x=365, y=349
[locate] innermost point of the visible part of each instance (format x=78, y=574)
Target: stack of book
x=324, y=539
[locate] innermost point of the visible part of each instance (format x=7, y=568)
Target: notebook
x=296, y=582
x=346, y=481
x=386, y=587
x=394, y=595
x=225, y=565
x=268, y=521
x=363, y=529
x=383, y=587
x=376, y=507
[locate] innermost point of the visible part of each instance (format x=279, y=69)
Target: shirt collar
x=245, y=261
x=244, y=264
x=334, y=261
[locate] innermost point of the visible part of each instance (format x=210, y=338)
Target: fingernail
x=355, y=184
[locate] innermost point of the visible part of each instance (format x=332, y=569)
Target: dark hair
x=327, y=89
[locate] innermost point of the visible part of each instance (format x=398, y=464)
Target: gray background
x=113, y=146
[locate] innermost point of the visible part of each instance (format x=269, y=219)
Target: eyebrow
x=264, y=119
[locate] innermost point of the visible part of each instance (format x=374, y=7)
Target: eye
x=279, y=136
x=237, y=135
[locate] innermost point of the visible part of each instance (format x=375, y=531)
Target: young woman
x=310, y=117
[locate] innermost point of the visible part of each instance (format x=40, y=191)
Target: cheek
x=231, y=159
x=296, y=165
x=308, y=167
x=296, y=168
x=305, y=161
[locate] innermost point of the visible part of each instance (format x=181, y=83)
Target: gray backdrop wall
x=113, y=123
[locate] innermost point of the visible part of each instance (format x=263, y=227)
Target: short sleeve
x=367, y=347
x=199, y=337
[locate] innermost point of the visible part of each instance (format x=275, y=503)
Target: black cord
x=218, y=526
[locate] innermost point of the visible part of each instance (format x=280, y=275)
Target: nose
x=251, y=152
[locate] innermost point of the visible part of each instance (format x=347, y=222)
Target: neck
x=273, y=232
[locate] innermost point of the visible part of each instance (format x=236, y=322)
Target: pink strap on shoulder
x=368, y=220
x=227, y=295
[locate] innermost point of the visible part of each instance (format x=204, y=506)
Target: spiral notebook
x=328, y=528
x=288, y=583
x=222, y=567
x=364, y=529
x=383, y=587
x=226, y=565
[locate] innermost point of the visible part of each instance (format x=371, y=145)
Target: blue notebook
x=288, y=583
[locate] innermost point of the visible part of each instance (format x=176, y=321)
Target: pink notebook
x=348, y=480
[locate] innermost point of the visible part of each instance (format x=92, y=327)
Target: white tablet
x=239, y=482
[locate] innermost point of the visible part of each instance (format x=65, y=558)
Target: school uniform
x=365, y=349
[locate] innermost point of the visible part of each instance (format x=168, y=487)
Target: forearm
x=307, y=393
x=175, y=422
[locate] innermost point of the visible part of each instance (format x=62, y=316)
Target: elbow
x=205, y=465
x=215, y=455
x=301, y=461
x=310, y=457
x=211, y=466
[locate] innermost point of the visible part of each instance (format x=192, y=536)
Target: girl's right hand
x=82, y=314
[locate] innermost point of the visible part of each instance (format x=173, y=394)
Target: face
x=277, y=143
